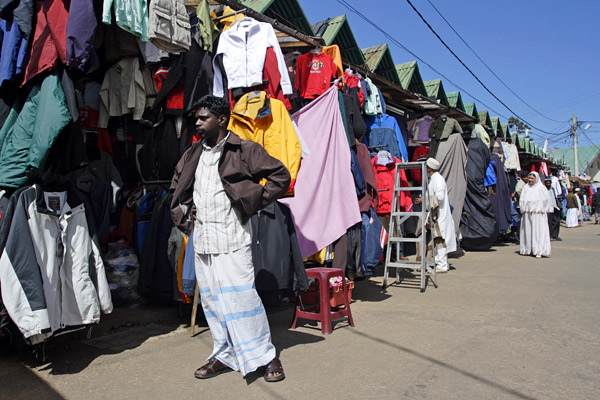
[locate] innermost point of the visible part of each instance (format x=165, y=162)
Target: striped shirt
x=218, y=226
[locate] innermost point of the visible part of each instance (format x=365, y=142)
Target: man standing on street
x=572, y=208
x=218, y=184
x=555, y=216
x=437, y=188
x=596, y=204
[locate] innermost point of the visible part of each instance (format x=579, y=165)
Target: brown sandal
x=211, y=369
x=274, y=371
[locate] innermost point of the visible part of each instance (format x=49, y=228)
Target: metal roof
x=471, y=109
x=587, y=155
x=484, y=119
x=337, y=31
x=288, y=12
x=505, y=133
x=410, y=77
x=455, y=100
x=379, y=60
x=496, y=126
x=435, y=91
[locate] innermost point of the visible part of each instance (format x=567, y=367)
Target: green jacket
x=28, y=133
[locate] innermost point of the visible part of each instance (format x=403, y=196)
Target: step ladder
x=426, y=267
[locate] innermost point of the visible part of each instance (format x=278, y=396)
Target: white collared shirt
x=218, y=226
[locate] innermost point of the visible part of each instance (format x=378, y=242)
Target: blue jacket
x=14, y=52
x=387, y=121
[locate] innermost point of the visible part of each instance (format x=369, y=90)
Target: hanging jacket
x=384, y=175
x=28, y=140
x=387, y=121
x=275, y=252
x=190, y=76
x=266, y=121
x=243, y=48
x=123, y=91
x=80, y=30
x=51, y=272
x=373, y=102
x=371, y=197
x=352, y=86
x=14, y=52
x=169, y=25
x=373, y=239
x=49, y=44
x=130, y=15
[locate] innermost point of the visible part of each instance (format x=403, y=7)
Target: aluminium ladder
x=425, y=267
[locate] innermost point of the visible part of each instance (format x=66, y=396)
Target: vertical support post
x=575, y=145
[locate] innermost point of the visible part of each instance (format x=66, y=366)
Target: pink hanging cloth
x=325, y=204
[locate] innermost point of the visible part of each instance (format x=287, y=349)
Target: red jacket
x=384, y=175
x=50, y=37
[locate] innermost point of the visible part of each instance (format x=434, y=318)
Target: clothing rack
x=158, y=182
x=243, y=10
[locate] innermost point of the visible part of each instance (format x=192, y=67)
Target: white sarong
x=235, y=314
x=572, y=218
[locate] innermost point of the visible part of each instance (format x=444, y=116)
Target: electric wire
x=470, y=71
x=485, y=64
x=397, y=43
x=589, y=140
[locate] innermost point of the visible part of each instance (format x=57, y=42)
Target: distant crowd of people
x=540, y=207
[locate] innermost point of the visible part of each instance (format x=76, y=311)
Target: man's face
x=207, y=124
x=548, y=184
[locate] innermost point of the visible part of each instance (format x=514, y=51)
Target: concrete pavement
x=500, y=326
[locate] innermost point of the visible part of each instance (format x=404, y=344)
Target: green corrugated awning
x=455, y=100
x=496, y=130
x=484, y=118
x=379, y=60
x=471, y=109
x=435, y=91
x=410, y=77
x=520, y=142
x=505, y=132
x=288, y=12
x=337, y=31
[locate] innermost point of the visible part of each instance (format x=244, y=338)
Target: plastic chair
x=325, y=315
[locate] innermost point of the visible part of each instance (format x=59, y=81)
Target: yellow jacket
x=267, y=122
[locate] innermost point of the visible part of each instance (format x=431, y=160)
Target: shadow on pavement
x=478, y=378
x=122, y=330
x=24, y=383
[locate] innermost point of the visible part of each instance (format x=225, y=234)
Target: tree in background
x=516, y=123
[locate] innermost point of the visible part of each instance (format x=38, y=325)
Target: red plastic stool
x=325, y=315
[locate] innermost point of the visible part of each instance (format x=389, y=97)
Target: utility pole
x=574, y=133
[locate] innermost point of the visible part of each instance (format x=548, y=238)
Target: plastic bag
x=122, y=272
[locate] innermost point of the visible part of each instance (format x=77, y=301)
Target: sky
x=546, y=51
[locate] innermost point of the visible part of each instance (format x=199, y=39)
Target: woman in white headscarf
x=535, y=203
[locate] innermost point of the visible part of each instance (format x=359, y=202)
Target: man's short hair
x=525, y=174
x=216, y=105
